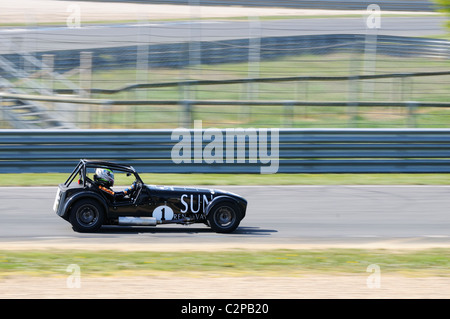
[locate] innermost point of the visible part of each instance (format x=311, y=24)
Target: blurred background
x=240, y=63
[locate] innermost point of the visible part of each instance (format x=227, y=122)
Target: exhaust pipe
x=138, y=221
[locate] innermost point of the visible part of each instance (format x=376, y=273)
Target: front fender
x=69, y=202
x=242, y=204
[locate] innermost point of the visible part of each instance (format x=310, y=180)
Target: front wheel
x=86, y=216
x=224, y=217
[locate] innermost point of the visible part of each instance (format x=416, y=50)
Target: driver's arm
x=120, y=195
x=130, y=190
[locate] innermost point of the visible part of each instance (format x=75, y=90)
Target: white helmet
x=104, y=176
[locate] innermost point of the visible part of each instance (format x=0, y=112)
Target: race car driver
x=105, y=178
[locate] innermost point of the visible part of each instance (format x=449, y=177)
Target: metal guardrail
x=187, y=107
x=73, y=100
x=256, y=80
x=299, y=151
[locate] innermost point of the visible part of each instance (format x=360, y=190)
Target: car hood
x=192, y=190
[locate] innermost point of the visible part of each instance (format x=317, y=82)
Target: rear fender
x=83, y=195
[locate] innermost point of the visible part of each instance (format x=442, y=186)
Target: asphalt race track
x=277, y=215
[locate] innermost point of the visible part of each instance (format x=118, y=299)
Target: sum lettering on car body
x=188, y=202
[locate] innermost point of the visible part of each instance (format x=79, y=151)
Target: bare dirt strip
x=212, y=287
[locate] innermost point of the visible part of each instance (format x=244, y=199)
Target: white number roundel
x=163, y=213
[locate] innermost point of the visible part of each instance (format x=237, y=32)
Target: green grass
x=433, y=89
x=235, y=263
x=53, y=179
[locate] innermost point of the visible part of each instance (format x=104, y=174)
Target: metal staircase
x=25, y=114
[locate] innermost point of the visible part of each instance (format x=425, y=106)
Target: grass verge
x=53, y=179
x=233, y=263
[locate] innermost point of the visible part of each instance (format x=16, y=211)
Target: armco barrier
x=176, y=55
x=300, y=151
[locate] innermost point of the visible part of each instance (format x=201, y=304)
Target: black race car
x=87, y=205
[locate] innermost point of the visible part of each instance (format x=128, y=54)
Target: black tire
x=86, y=216
x=224, y=217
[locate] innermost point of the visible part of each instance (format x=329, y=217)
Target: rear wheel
x=224, y=217
x=86, y=215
